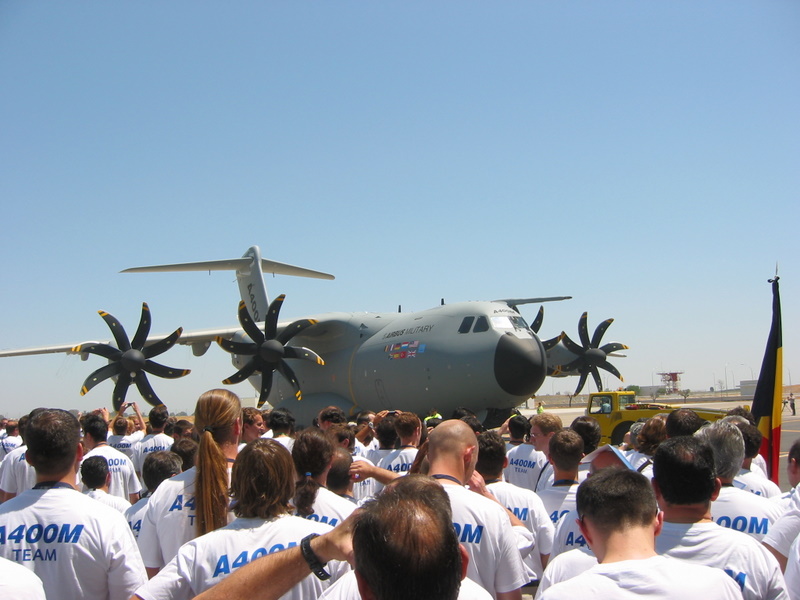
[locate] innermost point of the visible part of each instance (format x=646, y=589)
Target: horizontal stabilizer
x=233, y=264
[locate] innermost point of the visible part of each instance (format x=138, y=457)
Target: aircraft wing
x=514, y=302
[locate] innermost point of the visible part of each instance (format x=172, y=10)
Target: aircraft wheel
x=619, y=432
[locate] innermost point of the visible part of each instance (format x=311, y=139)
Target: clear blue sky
x=642, y=157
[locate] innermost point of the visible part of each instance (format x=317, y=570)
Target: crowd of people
x=238, y=503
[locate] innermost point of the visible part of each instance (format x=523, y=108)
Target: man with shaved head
x=483, y=526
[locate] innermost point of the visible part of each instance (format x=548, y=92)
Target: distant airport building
x=747, y=387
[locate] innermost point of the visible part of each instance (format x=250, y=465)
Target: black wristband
x=317, y=568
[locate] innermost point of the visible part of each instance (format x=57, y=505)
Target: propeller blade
x=121, y=390
x=581, y=383
x=613, y=347
x=305, y=353
x=288, y=373
x=116, y=330
x=162, y=346
x=537, y=322
x=292, y=330
x=553, y=342
x=583, y=330
x=597, y=381
x=248, y=325
x=146, y=390
x=160, y=370
x=103, y=350
x=611, y=369
x=572, y=346
x=266, y=388
x=572, y=366
x=143, y=330
x=244, y=348
x=599, y=332
x=242, y=373
x=271, y=321
x=101, y=374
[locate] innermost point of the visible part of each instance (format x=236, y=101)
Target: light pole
x=752, y=376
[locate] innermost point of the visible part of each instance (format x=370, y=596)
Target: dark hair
x=249, y=414
x=169, y=426
x=741, y=411
x=341, y=432
x=262, y=481
x=519, y=427
x=683, y=468
x=182, y=426
x=613, y=499
x=566, y=449
x=405, y=545
x=474, y=423
x=158, y=416
x=683, y=421
x=158, y=466
x=462, y=411
x=281, y=420
x=186, y=449
x=752, y=439
x=339, y=475
x=332, y=414
x=385, y=432
x=794, y=452
x=589, y=429
x=652, y=434
x=406, y=423
x=95, y=426
x=52, y=436
x=94, y=472
x=120, y=425
x=491, y=454
x=312, y=453
x=363, y=417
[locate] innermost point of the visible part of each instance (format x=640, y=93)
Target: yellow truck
x=617, y=411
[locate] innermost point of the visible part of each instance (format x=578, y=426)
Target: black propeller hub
x=271, y=351
x=594, y=356
x=132, y=360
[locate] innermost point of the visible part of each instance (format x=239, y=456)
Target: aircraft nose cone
x=520, y=365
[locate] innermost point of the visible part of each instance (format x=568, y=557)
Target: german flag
x=768, y=398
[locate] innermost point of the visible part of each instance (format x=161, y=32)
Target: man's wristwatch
x=317, y=568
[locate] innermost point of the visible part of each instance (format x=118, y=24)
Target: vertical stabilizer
x=252, y=288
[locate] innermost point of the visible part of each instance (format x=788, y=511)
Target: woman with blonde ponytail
x=196, y=501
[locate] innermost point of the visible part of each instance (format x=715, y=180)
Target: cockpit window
x=509, y=323
x=482, y=324
x=466, y=325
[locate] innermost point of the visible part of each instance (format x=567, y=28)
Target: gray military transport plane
x=480, y=355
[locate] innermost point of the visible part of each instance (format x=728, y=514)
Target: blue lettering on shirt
x=468, y=533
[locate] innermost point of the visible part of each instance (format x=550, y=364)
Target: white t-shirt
x=754, y=482
x=529, y=509
x=793, y=571
x=207, y=560
x=115, y=502
x=567, y=535
x=565, y=566
x=485, y=531
x=135, y=514
x=558, y=500
x=8, y=443
x=123, y=476
x=759, y=464
x=347, y=589
x=751, y=566
x=787, y=528
x=743, y=511
x=525, y=463
x=286, y=441
x=18, y=475
x=365, y=488
x=399, y=461
x=169, y=520
x=125, y=443
x=330, y=508
x=654, y=578
x=78, y=547
x=150, y=443
x=19, y=583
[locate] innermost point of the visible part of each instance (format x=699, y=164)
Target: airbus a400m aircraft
x=480, y=355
